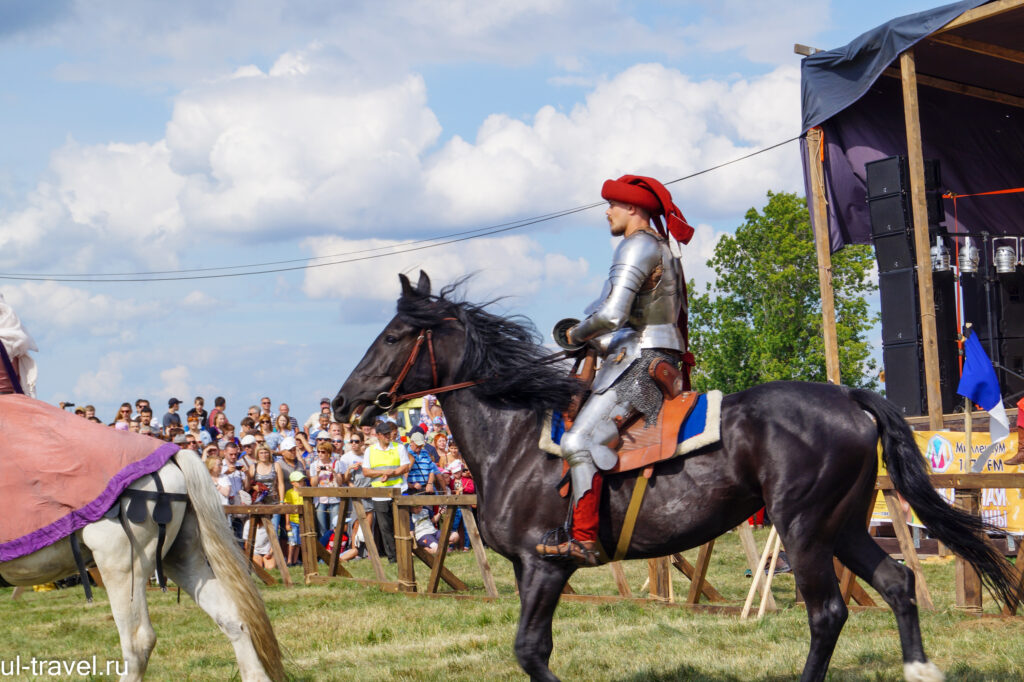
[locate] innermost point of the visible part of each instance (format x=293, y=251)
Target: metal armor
x=638, y=310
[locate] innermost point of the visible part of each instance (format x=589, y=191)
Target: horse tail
x=962, y=532
x=228, y=564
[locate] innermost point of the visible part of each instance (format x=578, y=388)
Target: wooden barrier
x=260, y=514
x=405, y=546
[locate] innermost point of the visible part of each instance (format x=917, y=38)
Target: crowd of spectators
x=270, y=455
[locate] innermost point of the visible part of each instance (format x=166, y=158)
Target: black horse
x=807, y=452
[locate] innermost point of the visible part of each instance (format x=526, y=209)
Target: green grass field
x=347, y=631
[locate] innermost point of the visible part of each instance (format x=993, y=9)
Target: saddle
x=642, y=446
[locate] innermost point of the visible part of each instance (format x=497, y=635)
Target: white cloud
x=501, y=266
x=70, y=309
x=176, y=382
x=104, y=384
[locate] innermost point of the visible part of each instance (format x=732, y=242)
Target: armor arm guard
x=634, y=260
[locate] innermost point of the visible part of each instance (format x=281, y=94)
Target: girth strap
x=632, y=511
x=76, y=551
x=162, y=515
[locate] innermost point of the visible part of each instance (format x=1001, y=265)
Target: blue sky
x=162, y=136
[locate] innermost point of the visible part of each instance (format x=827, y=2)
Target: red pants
x=584, y=514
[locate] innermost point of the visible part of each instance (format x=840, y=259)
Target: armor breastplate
x=639, y=306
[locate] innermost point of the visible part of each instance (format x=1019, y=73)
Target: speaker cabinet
x=894, y=252
x=898, y=293
x=903, y=377
x=886, y=176
x=888, y=214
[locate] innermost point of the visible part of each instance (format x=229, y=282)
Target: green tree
x=761, y=319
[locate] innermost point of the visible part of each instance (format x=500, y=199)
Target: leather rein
x=388, y=399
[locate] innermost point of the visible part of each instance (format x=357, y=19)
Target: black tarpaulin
x=854, y=94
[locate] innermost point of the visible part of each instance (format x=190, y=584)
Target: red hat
x=650, y=195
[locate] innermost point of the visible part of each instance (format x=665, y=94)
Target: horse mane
x=505, y=352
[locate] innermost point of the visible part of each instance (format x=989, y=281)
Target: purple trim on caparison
x=93, y=511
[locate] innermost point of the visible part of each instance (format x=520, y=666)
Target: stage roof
x=970, y=71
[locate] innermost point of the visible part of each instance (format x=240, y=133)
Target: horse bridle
x=388, y=399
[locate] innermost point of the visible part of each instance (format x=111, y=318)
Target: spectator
x=248, y=445
x=220, y=482
x=268, y=482
x=171, y=418
x=133, y=425
x=351, y=468
x=322, y=473
x=284, y=410
x=209, y=452
x=247, y=426
x=227, y=435
x=262, y=554
x=386, y=462
x=424, y=528
x=219, y=407
x=440, y=443
x=322, y=426
x=139, y=404
x=272, y=438
x=291, y=521
x=234, y=467
x=265, y=406
x=90, y=412
x=461, y=484
x=289, y=461
x=198, y=410
x=254, y=413
x=218, y=425
x=283, y=426
x=194, y=429
x=124, y=414
x=424, y=476
x=303, y=450
x=146, y=419
x=311, y=424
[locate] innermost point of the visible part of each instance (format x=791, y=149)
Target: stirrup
x=559, y=545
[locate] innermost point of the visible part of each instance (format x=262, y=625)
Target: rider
x=639, y=319
x=17, y=369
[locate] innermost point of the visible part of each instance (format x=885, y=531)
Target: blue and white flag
x=979, y=383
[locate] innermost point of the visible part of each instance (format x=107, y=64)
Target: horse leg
x=540, y=586
x=826, y=612
x=186, y=565
x=895, y=582
x=112, y=552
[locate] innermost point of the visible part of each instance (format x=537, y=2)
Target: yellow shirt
x=292, y=496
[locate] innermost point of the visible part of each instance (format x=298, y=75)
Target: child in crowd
x=262, y=554
x=291, y=521
x=425, y=530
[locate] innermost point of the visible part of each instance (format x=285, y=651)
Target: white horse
x=200, y=555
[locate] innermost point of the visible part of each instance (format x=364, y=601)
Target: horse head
x=411, y=354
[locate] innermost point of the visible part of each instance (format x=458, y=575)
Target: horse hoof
x=922, y=672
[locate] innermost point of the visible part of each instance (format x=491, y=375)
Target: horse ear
x=423, y=287
x=407, y=289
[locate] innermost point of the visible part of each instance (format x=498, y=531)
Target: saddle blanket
x=701, y=428
x=59, y=472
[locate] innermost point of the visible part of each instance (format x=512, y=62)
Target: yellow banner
x=946, y=453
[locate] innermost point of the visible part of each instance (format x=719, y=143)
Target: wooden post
x=275, y=547
x=403, y=549
x=687, y=569
x=307, y=540
x=478, y=550
x=621, y=584
x=659, y=579
x=750, y=550
x=899, y=524
x=968, y=582
x=371, y=546
x=697, y=581
x=922, y=245
x=447, y=518
x=822, y=247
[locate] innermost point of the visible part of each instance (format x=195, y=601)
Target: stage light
x=940, y=256
x=969, y=256
x=1005, y=255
